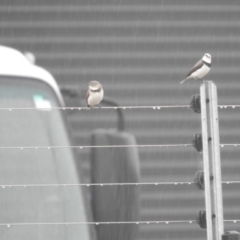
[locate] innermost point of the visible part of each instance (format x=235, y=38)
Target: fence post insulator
x=201, y=219
x=199, y=179
x=195, y=103
x=197, y=142
x=231, y=235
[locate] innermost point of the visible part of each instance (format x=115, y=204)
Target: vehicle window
x=42, y=204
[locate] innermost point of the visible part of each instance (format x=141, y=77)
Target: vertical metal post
x=211, y=161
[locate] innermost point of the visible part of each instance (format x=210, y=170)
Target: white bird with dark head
x=94, y=94
x=200, y=69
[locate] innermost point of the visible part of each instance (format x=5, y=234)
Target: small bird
x=94, y=94
x=200, y=69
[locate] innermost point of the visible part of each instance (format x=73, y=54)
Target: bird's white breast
x=95, y=97
x=200, y=73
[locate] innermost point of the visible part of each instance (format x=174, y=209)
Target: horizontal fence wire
x=100, y=107
x=100, y=146
x=230, y=182
x=115, y=146
x=94, y=184
x=96, y=223
x=108, y=223
x=229, y=144
x=228, y=106
x=104, y=184
x=232, y=220
x=156, y=107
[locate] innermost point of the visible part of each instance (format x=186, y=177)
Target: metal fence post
x=211, y=161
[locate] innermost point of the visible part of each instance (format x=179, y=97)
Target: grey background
x=140, y=51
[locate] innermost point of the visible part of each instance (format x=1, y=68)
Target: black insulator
x=201, y=219
x=197, y=142
x=195, y=103
x=231, y=235
x=199, y=179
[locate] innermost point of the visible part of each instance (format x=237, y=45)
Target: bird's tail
x=183, y=81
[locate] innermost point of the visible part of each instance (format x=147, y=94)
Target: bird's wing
x=198, y=65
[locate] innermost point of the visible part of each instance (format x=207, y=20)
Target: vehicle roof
x=14, y=63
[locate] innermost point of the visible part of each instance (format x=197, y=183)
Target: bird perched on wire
x=94, y=94
x=200, y=69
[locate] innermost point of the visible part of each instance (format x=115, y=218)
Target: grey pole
x=211, y=161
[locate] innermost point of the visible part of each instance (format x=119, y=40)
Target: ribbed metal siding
x=140, y=50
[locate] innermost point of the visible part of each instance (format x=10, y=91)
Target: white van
x=35, y=208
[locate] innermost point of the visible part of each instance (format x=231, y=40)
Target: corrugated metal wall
x=140, y=51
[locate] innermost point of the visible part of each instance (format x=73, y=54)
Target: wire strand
x=230, y=182
x=228, y=106
x=116, y=146
x=104, y=184
x=229, y=144
x=107, y=223
x=102, y=107
x=94, y=184
x=158, y=107
x=95, y=223
x=100, y=146
x=232, y=220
